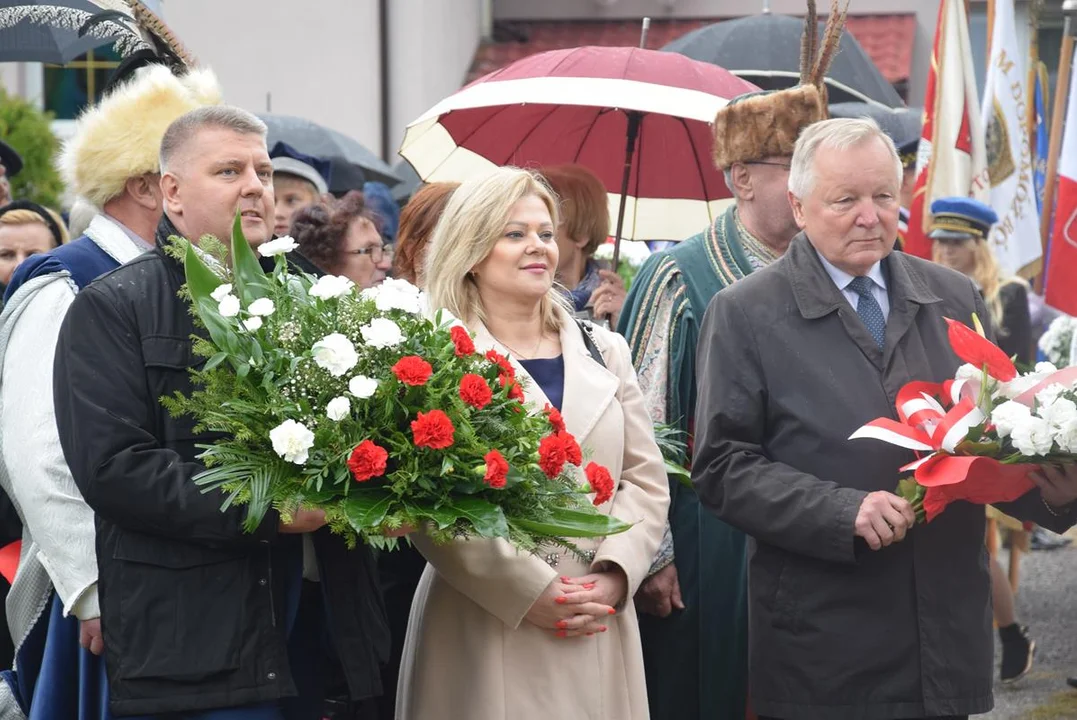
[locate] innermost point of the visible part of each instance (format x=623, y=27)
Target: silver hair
x=837, y=134
x=226, y=117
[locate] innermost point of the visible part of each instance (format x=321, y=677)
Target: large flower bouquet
x=359, y=404
x=983, y=432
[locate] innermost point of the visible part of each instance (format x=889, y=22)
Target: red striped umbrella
x=639, y=119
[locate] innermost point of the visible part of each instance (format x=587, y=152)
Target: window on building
x=70, y=88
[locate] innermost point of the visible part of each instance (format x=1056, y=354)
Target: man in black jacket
x=197, y=615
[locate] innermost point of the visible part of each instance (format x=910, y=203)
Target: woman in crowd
x=342, y=238
x=959, y=228
x=585, y=224
x=495, y=633
x=417, y=221
x=26, y=229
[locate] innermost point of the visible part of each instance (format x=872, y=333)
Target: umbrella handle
x=634, y=119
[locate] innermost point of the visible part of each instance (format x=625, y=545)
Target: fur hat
x=764, y=124
x=120, y=137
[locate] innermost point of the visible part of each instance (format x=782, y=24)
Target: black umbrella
x=56, y=31
x=410, y=181
x=765, y=50
x=903, y=125
x=352, y=163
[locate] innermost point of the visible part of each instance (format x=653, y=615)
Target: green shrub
x=27, y=129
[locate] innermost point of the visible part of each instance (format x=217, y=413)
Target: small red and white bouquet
x=358, y=403
x=985, y=431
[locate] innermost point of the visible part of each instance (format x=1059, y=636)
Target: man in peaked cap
x=961, y=218
x=111, y=162
x=694, y=629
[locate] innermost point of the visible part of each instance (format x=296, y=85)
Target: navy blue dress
x=549, y=373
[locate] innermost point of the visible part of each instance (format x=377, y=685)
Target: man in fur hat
x=111, y=162
x=695, y=629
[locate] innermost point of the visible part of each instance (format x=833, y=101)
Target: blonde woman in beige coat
x=496, y=634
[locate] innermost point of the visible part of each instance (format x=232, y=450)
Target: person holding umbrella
x=695, y=628
x=585, y=224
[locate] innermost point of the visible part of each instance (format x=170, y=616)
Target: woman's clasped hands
x=571, y=607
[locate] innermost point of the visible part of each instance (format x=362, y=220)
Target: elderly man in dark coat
x=854, y=613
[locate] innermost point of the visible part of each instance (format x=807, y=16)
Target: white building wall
x=318, y=59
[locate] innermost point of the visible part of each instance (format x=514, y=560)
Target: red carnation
x=367, y=461
x=433, y=430
x=552, y=455
x=516, y=392
x=413, y=370
x=497, y=469
x=572, y=448
x=601, y=482
x=461, y=340
x=502, y=362
x=554, y=416
x=475, y=391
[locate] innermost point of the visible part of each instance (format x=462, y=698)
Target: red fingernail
x=612, y=611
x=561, y=600
x=603, y=628
x=561, y=633
x=565, y=579
x=588, y=586
x=562, y=624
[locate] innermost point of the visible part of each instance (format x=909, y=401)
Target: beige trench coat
x=469, y=653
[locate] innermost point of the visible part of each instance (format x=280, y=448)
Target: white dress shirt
x=842, y=279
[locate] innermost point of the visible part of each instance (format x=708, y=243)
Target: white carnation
x=382, y=333
x=263, y=307
x=331, y=286
x=1033, y=436
x=1048, y=395
x=338, y=408
x=252, y=324
x=221, y=291
x=1066, y=436
x=362, y=386
x=1009, y=415
x=228, y=306
x=292, y=441
x=280, y=246
x=396, y=296
x=1060, y=413
x=1020, y=384
x=1045, y=368
x=335, y=353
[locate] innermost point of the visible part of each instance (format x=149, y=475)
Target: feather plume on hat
x=120, y=137
x=766, y=124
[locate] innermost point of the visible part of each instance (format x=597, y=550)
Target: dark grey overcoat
x=786, y=372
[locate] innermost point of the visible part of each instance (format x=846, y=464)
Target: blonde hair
x=29, y=217
x=987, y=276
x=473, y=221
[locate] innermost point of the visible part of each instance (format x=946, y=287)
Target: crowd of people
x=788, y=582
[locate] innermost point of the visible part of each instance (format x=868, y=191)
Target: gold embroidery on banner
x=1000, y=164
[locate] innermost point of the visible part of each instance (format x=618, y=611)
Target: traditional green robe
x=697, y=658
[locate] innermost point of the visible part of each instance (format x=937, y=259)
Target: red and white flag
x=1062, y=256
x=952, y=157
x=1015, y=238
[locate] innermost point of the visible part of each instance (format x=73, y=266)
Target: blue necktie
x=868, y=309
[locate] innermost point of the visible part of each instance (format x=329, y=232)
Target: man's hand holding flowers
x=1058, y=486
